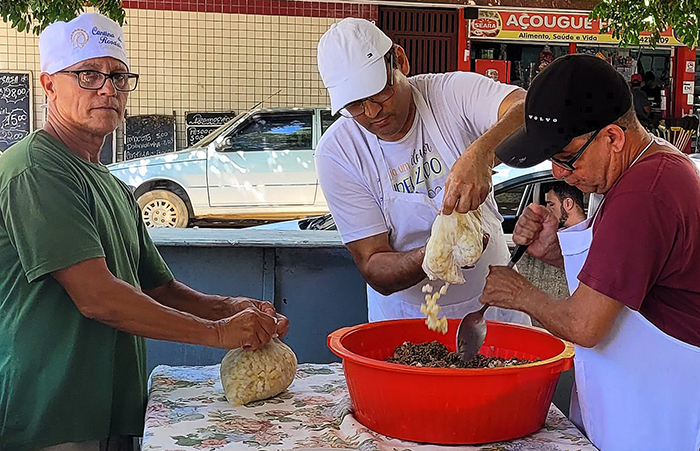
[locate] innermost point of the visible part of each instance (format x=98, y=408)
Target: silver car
x=260, y=165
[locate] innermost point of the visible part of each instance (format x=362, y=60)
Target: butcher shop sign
x=548, y=26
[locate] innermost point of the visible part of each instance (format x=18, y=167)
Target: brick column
x=463, y=44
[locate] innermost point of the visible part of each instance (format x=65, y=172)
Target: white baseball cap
x=90, y=35
x=351, y=61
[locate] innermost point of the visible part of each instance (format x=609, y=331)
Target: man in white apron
x=406, y=149
x=633, y=267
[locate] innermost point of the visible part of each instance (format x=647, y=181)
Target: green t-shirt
x=64, y=377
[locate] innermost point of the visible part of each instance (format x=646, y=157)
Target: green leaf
x=35, y=15
x=628, y=19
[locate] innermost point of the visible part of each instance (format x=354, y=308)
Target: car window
x=327, y=120
x=275, y=131
x=509, y=200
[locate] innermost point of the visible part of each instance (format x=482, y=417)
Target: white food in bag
x=456, y=241
x=249, y=376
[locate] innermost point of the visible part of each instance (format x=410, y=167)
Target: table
x=187, y=411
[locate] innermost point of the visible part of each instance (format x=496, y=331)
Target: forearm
x=513, y=118
x=185, y=299
x=561, y=317
x=125, y=308
x=389, y=272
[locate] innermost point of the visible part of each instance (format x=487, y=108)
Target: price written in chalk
x=196, y=134
x=15, y=107
x=149, y=135
x=11, y=120
x=13, y=94
x=149, y=140
x=12, y=136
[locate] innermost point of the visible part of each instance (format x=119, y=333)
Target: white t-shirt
x=421, y=169
x=465, y=106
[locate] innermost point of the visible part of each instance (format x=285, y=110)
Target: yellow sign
x=553, y=27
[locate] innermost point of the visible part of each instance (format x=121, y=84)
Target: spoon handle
x=518, y=252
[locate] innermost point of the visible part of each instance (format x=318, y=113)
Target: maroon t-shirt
x=646, y=244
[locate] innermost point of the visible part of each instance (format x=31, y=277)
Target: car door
x=325, y=120
x=513, y=196
x=511, y=203
x=269, y=162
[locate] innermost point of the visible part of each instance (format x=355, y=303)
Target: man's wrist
x=486, y=150
x=555, y=258
x=214, y=335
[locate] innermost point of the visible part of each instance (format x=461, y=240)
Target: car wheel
x=162, y=208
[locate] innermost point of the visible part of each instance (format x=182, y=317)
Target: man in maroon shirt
x=633, y=267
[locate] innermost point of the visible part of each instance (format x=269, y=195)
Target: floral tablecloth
x=187, y=411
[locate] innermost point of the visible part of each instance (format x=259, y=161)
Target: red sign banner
x=548, y=26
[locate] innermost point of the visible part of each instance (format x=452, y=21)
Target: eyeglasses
x=357, y=108
x=568, y=165
x=94, y=80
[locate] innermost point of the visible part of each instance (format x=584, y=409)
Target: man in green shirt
x=81, y=281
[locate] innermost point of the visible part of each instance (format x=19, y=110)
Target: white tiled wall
x=191, y=61
x=20, y=52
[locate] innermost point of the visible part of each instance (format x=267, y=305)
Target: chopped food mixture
x=436, y=355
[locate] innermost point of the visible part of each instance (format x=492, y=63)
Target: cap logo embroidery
x=107, y=37
x=542, y=119
x=79, y=38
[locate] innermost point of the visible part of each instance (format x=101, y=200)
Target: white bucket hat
x=90, y=35
x=351, y=61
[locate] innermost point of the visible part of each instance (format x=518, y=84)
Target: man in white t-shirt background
x=406, y=149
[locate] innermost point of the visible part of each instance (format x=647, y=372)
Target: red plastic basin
x=447, y=405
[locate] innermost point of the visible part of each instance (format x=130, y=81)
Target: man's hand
x=240, y=303
x=537, y=228
x=506, y=288
x=250, y=328
x=469, y=181
x=584, y=318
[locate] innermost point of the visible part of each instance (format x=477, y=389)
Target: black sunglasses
x=568, y=164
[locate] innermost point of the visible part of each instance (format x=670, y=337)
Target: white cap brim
x=366, y=82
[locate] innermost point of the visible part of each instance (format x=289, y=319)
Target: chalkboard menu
x=15, y=107
x=149, y=135
x=199, y=125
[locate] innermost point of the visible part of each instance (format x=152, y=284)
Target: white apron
x=639, y=389
x=409, y=217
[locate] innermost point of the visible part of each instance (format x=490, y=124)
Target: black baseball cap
x=574, y=95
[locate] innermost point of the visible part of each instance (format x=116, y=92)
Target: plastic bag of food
x=456, y=241
x=249, y=376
